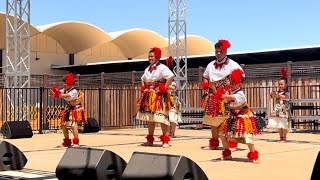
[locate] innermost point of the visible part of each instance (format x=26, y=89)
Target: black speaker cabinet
x=11, y=158
x=91, y=126
x=16, y=129
x=86, y=163
x=316, y=169
x=142, y=166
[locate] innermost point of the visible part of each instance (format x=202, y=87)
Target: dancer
x=74, y=113
x=242, y=124
x=279, y=114
x=155, y=102
x=175, y=112
x=216, y=77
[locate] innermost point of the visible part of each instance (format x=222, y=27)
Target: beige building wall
x=45, y=51
x=196, y=45
x=100, y=53
x=164, y=54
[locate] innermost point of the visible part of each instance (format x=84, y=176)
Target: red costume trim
x=162, y=88
x=66, y=142
x=253, y=155
x=157, y=53
x=232, y=144
x=236, y=76
x=75, y=141
x=214, y=143
x=56, y=92
x=283, y=73
x=165, y=139
x=142, y=88
x=225, y=44
x=220, y=65
x=154, y=67
x=218, y=95
x=226, y=153
x=169, y=61
x=69, y=79
x=205, y=85
x=150, y=139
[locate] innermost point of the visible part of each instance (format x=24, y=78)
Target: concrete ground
x=292, y=160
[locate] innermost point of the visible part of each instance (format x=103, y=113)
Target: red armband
x=218, y=95
x=163, y=88
x=142, y=88
x=205, y=85
x=56, y=92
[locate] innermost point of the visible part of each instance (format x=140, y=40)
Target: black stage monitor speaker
x=11, y=158
x=142, y=166
x=16, y=129
x=86, y=163
x=316, y=169
x=91, y=126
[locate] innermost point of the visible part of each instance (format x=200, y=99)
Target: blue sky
x=248, y=24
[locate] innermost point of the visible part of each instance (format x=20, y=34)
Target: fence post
x=45, y=96
x=133, y=78
x=100, y=108
x=102, y=80
x=200, y=74
x=289, y=79
x=101, y=95
x=289, y=73
x=40, y=110
x=78, y=79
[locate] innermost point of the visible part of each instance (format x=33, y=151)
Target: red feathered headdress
x=237, y=76
x=223, y=44
x=69, y=79
x=283, y=73
x=157, y=52
x=169, y=61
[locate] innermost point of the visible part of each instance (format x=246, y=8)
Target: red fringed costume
x=242, y=124
x=155, y=102
x=74, y=113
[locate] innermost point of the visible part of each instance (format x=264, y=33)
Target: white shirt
x=214, y=74
x=240, y=99
x=73, y=94
x=162, y=72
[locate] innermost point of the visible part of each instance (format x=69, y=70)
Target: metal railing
x=116, y=107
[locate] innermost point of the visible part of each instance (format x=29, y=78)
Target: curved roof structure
x=33, y=29
x=75, y=36
x=197, y=45
x=135, y=42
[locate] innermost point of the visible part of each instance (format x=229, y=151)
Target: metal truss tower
x=177, y=46
x=17, y=78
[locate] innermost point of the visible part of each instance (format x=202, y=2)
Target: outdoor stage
x=292, y=160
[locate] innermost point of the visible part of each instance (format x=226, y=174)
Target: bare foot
x=62, y=146
x=147, y=144
x=256, y=161
x=165, y=145
x=209, y=148
x=282, y=140
x=233, y=149
x=226, y=158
